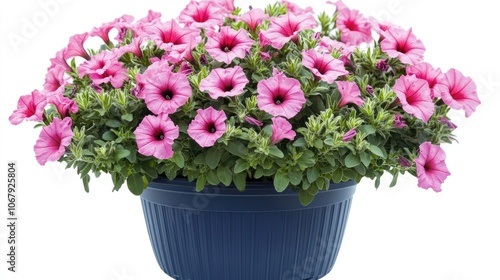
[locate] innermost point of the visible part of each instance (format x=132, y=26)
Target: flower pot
x=258, y=234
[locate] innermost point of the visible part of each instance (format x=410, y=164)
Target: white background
x=393, y=234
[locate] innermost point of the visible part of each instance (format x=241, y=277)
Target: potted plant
x=225, y=97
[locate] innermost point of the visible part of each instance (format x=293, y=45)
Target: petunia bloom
x=296, y=9
x=281, y=129
x=64, y=105
x=349, y=93
x=354, y=28
x=280, y=95
x=208, y=126
x=402, y=44
x=103, y=68
x=75, y=46
x=415, y=96
x=434, y=77
x=460, y=92
x=175, y=40
x=254, y=18
x=53, y=140
x=105, y=28
x=222, y=82
x=285, y=28
x=155, y=136
x=327, y=45
x=431, y=166
x=165, y=91
x=228, y=44
x=204, y=14
x=54, y=79
x=323, y=66
x=29, y=107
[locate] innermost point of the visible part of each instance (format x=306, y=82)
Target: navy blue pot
x=258, y=234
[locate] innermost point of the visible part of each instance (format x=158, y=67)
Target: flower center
x=211, y=128
x=278, y=100
x=159, y=135
x=168, y=94
x=228, y=87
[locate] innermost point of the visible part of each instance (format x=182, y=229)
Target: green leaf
x=337, y=175
x=224, y=175
x=236, y=148
x=352, y=160
x=121, y=153
x=200, y=159
x=212, y=178
x=149, y=171
x=281, y=181
x=377, y=151
x=135, y=183
x=240, y=181
x=213, y=158
x=305, y=197
x=86, y=180
x=178, y=158
x=113, y=123
x=295, y=177
x=301, y=142
x=365, y=158
x=108, y=136
x=200, y=183
x=240, y=166
x=275, y=151
x=312, y=174
x=394, y=179
x=367, y=129
x=128, y=117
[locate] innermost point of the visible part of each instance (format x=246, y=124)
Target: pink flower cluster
x=165, y=85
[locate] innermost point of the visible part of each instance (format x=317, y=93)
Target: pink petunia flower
x=222, y=82
x=151, y=19
x=327, y=45
x=460, y=92
x=103, y=68
x=54, y=79
x=75, y=46
x=175, y=40
x=349, y=93
x=402, y=44
x=354, y=28
x=204, y=14
x=59, y=60
x=349, y=135
x=285, y=28
x=64, y=105
x=281, y=129
x=208, y=126
x=280, y=95
x=53, y=140
x=228, y=44
x=165, y=91
x=254, y=18
x=296, y=9
x=323, y=66
x=227, y=5
x=29, y=107
x=105, y=28
x=431, y=167
x=434, y=77
x=415, y=96
x=155, y=136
